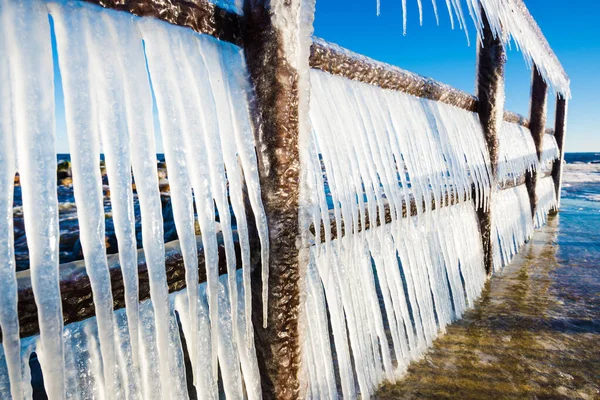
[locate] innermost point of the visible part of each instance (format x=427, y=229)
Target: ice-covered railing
x=550, y=151
x=386, y=294
x=546, y=200
x=516, y=152
x=509, y=21
x=111, y=66
x=276, y=40
x=395, y=147
x=512, y=224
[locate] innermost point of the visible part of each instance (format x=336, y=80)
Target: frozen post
x=537, y=126
x=560, y=127
x=276, y=58
x=491, y=57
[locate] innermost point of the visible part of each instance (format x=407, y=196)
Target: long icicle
x=27, y=33
x=9, y=318
x=81, y=97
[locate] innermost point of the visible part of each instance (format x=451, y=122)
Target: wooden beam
x=201, y=16
x=338, y=61
x=272, y=32
x=76, y=291
x=537, y=125
x=560, y=129
x=491, y=58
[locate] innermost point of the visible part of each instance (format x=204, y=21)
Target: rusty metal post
x=537, y=126
x=491, y=58
x=273, y=34
x=560, y=128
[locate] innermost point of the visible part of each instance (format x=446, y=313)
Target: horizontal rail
x=339, y=61
x=407, y=210
x=201, y=16
x=205, y=17
x=76, y=291
x=336, y=60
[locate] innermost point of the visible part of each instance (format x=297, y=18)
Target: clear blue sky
x=443, y=54
x=572, y=29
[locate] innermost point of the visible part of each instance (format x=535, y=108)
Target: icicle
x=435, y=11
x=516, y=152
x=550, y=151
x=86, y=101
x=9, y=319
x=164, y=70
x=512, y=224
x=26, y=31
x=140, y=123
x=239, y=85
x=217, y=116
x=546, y=200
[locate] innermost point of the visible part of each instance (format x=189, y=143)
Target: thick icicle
x=87, y=102
x=512, y=223
x=26, y=31
x=164, y=69
x=240, y=97
x=546, y=200
x=9, y=320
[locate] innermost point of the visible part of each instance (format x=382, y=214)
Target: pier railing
x=275, y=76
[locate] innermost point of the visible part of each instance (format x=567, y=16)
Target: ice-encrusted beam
x=201, y=16
x=511, y=20
x=491, y=57
x=537, y=123
x=560, y=129
x=508, y=20
x=408, y=210
x=76, y=292
x=276, y=42
x=336, y=60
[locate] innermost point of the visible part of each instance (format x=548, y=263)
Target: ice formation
x=427, y=271
x=510, y=21
x=9, y=321
x=111, y=64
x=546, y=200
x=25, y=29
x=550, y=151
x=388, y=157
x=516, y=152
x=83, y=362
x=512, y=223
